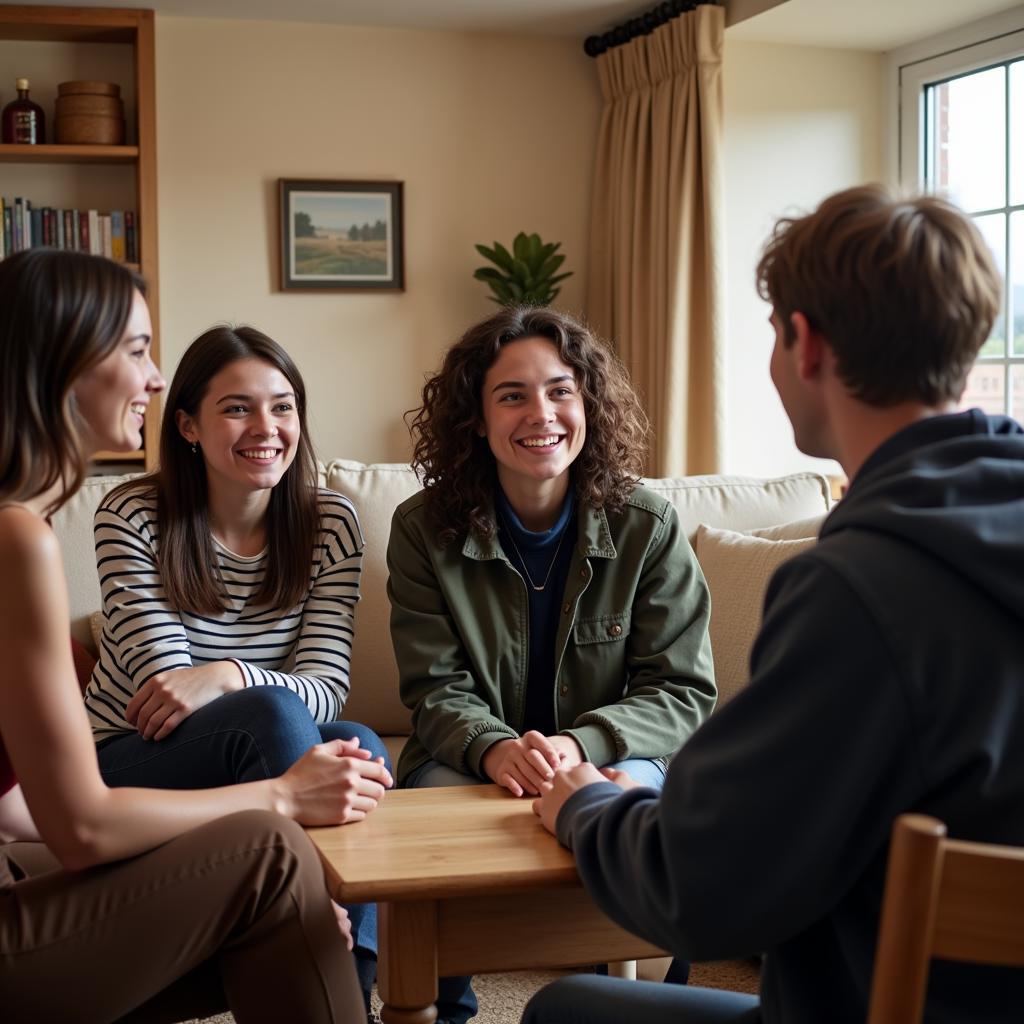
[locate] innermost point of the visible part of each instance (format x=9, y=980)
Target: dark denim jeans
x=252, y=734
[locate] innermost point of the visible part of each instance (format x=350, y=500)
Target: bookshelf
x=53, y=44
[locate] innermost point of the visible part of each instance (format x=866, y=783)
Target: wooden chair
x=943, y=898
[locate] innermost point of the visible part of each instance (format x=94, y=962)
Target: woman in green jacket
x=546, y=609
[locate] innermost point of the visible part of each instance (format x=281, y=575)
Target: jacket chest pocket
x=604, y=629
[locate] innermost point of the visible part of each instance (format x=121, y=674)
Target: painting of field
x=329, y=253
x=341, y=236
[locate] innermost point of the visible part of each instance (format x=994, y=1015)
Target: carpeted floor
x=503, y=996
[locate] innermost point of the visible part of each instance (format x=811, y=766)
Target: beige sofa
x=741, y=529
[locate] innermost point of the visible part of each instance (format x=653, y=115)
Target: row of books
x=102, y=234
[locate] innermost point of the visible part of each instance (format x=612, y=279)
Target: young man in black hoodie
x=889, y=672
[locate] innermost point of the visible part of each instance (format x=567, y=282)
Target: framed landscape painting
x=341, y=234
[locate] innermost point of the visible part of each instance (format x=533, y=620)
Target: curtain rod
x=642, y=25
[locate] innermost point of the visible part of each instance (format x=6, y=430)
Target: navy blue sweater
x=888, y=677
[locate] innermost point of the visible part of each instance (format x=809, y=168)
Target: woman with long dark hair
x=143, y=904
x=229, y=583
x=546, y=608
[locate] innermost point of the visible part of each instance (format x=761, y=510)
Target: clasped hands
x=550, y=768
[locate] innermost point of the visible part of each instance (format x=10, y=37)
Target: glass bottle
x=23, y=120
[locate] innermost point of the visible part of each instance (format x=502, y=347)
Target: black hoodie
x=888, y=677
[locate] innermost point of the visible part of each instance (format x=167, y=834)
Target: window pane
x=1015, y=285
x=993, y=230
x=986, y=388
x=967, y=133
x=1017, y=393
x=1017, y=133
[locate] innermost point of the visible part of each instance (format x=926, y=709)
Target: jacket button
x=583, y=574
x=615, y=630
x=567, y=607
x=564, y=690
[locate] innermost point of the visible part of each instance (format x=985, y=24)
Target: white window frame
x=987, y=42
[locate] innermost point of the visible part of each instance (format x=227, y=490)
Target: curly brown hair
x=456, y=464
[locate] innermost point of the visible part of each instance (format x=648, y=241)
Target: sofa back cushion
x=737, y=567
x=376, y=491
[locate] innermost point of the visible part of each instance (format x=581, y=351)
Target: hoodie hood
x=953, y=487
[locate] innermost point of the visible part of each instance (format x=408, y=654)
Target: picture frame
x=341, y=234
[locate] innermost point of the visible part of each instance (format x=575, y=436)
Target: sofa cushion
x=737, y=567
x=376, y=491
x=744, y=503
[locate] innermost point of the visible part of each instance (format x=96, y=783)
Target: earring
x=195, y=447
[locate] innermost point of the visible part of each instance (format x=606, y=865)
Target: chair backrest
x=944, y=898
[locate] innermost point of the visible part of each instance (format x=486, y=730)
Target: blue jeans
x=251, y=734
x=589, y=999
x=456, y=1000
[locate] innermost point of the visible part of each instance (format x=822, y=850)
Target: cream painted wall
x=800, y=123
x=491, y=134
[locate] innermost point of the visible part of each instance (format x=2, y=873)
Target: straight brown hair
x=904, y=290
x=61, y=313
x=188, y=560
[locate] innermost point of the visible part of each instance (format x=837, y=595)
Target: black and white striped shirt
x=306, y=648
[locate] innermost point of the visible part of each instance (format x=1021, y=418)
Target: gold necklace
x=522, y=561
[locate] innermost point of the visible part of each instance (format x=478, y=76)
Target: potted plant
x=526, y=275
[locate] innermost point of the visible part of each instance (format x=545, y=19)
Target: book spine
x=58, y=224
x=4, y=248
x=105, y=235
x=69, y=229
x=8, y=229
x=95, y=242
x=83, y=229
x=19, y=224
x=117, y=235
x=131, y=243
x=35, y=237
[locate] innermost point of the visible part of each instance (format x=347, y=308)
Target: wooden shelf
x=136, y=456
x=56, y=154
x=132, y=28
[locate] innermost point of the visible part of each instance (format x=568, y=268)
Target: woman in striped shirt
x=229, y=584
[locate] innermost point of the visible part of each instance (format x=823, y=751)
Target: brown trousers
x=233, y=915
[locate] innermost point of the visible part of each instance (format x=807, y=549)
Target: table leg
x=407, y=961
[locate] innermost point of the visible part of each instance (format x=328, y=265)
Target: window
x=962, y=135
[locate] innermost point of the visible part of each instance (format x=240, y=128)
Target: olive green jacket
x=634, y=673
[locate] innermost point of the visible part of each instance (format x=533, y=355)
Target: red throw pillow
x=84, y=663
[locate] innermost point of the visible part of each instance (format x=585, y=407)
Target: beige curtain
x=657, y=226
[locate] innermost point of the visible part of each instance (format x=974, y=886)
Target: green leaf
x=522, y=273
x=488, y=274
x=550, y=266
x=501, y=289
x=533, y=247
x=546, y=251
x=503, y=257
x=559, y=277
x=521, y=247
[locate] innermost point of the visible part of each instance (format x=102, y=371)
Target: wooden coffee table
x=467, y=881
